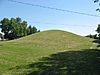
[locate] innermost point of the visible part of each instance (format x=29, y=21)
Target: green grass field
x=52, y=52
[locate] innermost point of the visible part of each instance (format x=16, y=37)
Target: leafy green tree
x=92, y=36
x=18, y=20
x=16, y=28
x=34, y=29
x=24, y=24
x=31, y=30
x=5, y=26
x=15, y=25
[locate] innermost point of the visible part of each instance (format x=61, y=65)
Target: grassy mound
x=55, y=39
x=31, y=48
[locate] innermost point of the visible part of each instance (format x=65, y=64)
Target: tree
x=38, y=31
x=97, y=1
x=15, y=28
x=5, y=27
x=98, y=31
x=95, y=36
x=92, y=36
x=31, y=30
x=13, y=33
x=34, y=29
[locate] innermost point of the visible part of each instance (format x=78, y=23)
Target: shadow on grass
x=85, y=62
x=97, y=41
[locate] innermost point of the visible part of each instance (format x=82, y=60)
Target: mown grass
x=83, y=62
x=28, y=50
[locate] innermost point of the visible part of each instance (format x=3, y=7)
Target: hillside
x=31, y=48
x=55, y=39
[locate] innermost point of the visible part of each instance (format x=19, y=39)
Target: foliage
x=92, y=36
x=31, y=30
x=38, y=30
x=15, y=28
x=97, y=1
x=98, y=31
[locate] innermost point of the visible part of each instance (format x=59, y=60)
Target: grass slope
x=56, y=39
x=31, y=48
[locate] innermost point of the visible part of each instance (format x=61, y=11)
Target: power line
x=69, y=25
x=58, y=9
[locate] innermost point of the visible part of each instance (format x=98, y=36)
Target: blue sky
x=76, y=23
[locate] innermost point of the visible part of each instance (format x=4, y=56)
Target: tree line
x=15, y=28
x=96, y=36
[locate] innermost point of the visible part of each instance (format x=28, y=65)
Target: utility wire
x=58, y=10
x=69, y=25
x=53, y=8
